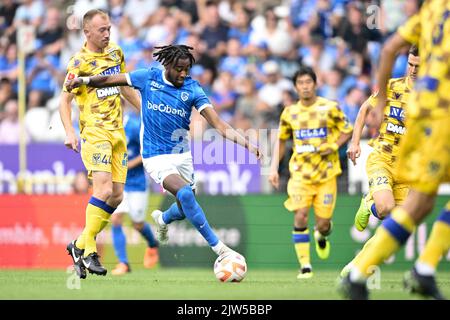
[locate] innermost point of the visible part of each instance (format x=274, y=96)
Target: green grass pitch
x=191, y=284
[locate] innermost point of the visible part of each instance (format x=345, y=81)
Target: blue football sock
x=172, y=214
x=373, y=209
x=119, y=243
x=148, y=235
x=195, y=214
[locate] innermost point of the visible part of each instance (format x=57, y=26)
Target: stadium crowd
x=246, y=52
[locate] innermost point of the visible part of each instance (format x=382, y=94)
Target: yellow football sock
x=301, y=243
x=439, y=241
x=394, y=232
x=362, y=252
x=96, y=219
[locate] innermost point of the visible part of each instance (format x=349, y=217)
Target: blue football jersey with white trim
x=166, y=111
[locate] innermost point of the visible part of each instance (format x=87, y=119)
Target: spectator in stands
x=273, y=32
x=233, y=62
x=43, y=77
x=246, y=116
x=352, y=102
x=224, y=96
x=9, y=126
x=270, y=95
x=6, y=94
x=8, y=10
x=8, y=64
x=51, y=33
x=29, y=12
x=213, y=31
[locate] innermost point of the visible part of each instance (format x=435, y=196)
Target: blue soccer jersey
x=166, y=111
x=136, y=180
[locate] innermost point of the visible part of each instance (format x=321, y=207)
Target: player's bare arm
x=133, y=163
x=98, y=81
x=132, y=96
x=228, y=131
x=65, y=112
x=277, y=155
x=354, y=149
x=388, y=54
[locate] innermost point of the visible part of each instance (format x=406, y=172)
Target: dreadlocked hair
x=172, y=53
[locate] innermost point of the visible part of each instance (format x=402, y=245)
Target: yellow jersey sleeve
x=340, y=119
x=285, y=128
x=73, y=71
x=410, y=31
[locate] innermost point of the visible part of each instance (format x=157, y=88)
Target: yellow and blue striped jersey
x=392, y=128
x=310, y=127
x=430, y=31
x=99, y=107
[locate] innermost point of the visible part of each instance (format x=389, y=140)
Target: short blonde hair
x=91, y=14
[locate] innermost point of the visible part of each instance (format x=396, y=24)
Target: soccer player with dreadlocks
x=168, y=97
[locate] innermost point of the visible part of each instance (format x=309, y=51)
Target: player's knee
x=301, y=218
x=138, y=226
x=186, y=197
x=115, y=199
x=323, y=225
x=116, y=220
x=103, y=194
x=384, y=208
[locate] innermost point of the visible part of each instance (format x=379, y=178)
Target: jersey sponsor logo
x=397, y=95
x=70, y=76
x=397, y=113
x=184, y=96
x=395, y=128
x=303, y=134
x=166, y=109
x=110, y=71
x=107, y=92
x=305, y=148
x=155, y=86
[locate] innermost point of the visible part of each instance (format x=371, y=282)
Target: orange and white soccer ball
x=230, y=267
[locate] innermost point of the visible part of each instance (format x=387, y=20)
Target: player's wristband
x=85, y=80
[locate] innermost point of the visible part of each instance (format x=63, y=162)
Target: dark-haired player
x=168, y=97
x=318, y=128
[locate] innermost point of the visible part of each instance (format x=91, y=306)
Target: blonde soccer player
x=103, y=142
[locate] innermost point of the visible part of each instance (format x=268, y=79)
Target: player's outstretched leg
x=76, y=254
x=194, y=213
